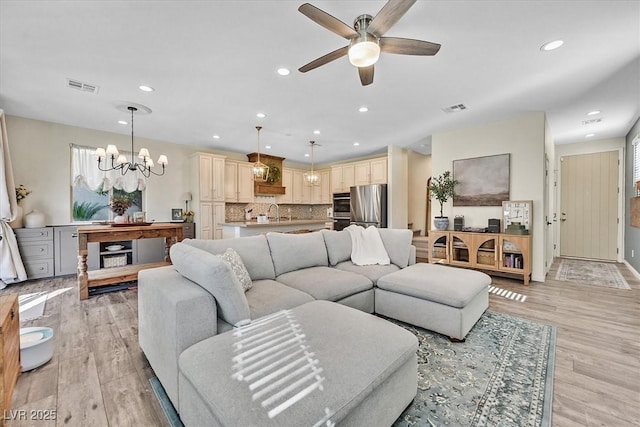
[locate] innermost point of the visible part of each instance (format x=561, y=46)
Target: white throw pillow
x=234, y=261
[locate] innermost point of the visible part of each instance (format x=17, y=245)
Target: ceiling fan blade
x=329, y=22
x=331, y=56
x=389, y=15
x=366, y=75
x=408, y=46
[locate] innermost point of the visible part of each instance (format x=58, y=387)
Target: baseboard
x=633, y=270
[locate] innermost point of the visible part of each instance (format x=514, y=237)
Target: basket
x=110, y=261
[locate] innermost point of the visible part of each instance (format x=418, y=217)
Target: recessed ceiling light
x=306, y=155
x=123, y=122
x=551, y=45
x=284, y=71
x=268, y=147
x=363, y=109
x=355, y=144
x=261, y=115
x=593, y=113
x=146, y=88
x=216, y=136
x=589, y=135
x=316, y=132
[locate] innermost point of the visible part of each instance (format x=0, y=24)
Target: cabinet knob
x=41, y=249
x=13, y=314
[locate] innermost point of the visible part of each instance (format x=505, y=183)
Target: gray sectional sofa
x=199, y=298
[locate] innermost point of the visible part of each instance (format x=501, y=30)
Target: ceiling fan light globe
x=364, y=53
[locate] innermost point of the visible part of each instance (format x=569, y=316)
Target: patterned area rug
x=605, y=274
x=502, y=375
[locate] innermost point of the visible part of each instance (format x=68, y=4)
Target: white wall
x=419, y=167
x=40, y=155
x=524, y=138
x=397, y=179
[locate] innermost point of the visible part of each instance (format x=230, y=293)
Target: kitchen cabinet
x=342, y=178
x=36, y=251
x=321, y=194
x=494, y=253
x=238, y=182
x=372, y=171
x=301, y=191
x=207, y=183
x=218, y=219
x=287, y=183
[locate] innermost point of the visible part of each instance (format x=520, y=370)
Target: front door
x=589, y=206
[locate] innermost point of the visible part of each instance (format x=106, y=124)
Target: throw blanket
x=366, y=246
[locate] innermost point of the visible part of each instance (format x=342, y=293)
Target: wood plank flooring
x=99, y=376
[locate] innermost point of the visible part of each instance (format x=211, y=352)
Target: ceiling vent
x=454, y=108
x=591, y=121
x=81, y=86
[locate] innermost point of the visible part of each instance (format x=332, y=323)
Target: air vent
x=591, y=121
x=454, y=108
x=84, y=87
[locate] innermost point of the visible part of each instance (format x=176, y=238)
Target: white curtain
x=11, y=267
x=85, y=172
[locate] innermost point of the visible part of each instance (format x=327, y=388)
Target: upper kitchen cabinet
x=238, y=182
x=287, y=183
x=207, y=176
x=321, y=194
x=342, y=178
x=372, y=171
x=301, y=191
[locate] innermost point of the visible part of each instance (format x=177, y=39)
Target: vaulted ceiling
x=213, y=67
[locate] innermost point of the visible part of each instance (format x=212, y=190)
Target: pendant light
x=311, y=178
x=119, y=161
x=260, y=170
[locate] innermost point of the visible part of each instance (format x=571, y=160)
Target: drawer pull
x=41, y=268
x=74, y=235
x=41, y=249
x=13, y=314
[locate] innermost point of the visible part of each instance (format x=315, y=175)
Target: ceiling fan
x=365, y=38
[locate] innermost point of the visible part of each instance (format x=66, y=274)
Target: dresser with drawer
x=36, y=250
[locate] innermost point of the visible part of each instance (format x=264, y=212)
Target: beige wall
x=40, y=155
x=419, y=172
x=524, y=138
x=397, y=187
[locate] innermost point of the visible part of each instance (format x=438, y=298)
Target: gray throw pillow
x=234, y=260
x=215, y=275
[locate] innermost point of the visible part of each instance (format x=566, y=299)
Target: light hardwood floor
x=99, y=376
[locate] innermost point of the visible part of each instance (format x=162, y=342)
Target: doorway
x=589, y=205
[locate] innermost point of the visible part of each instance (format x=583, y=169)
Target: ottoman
x=439, y=298
x=367, y=364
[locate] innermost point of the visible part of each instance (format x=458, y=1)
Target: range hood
x=273, y=186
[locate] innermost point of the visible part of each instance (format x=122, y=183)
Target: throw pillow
x=232, y=258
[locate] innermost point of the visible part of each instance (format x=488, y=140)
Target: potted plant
x=442, y=187
x=119, y=205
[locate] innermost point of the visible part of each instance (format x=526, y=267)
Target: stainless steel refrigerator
x=369, y=205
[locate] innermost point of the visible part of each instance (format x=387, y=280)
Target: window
x=636, y=164
x=92, y=189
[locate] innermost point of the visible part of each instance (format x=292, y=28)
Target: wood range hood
x=271, y=187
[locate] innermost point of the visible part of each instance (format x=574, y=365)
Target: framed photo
x=176, y=214
x=482, y=181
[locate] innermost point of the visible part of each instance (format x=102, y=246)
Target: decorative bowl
x=112, y=248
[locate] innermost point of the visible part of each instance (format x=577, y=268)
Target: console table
x=172, y=233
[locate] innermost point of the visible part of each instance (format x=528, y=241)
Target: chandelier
x=119, y=161
x=260, y=170
x=311, y=178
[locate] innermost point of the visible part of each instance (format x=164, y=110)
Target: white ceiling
x=213, y=65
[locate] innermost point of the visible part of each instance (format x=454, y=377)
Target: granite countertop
x=272, y=223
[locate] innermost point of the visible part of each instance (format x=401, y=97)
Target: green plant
x=442, y=187
x=120, y=203
x=274, y=174
x=86, y=210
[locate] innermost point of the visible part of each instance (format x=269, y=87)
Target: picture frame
x=176, y=215
x=482, y=181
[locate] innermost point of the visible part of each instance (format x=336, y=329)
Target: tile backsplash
x=235, y=211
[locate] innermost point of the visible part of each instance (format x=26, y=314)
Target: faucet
x=277, y=211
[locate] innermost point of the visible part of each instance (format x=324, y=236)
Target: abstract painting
x=482, y=181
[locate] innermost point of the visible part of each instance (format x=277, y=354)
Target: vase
x=119, y=219
x=441, y=222
x=34, y=219
x=188, y=218
x=17, y=223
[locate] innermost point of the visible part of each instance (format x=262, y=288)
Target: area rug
x=605, y=274
x=502, y=375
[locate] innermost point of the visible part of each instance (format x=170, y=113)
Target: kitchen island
x=231, y=230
